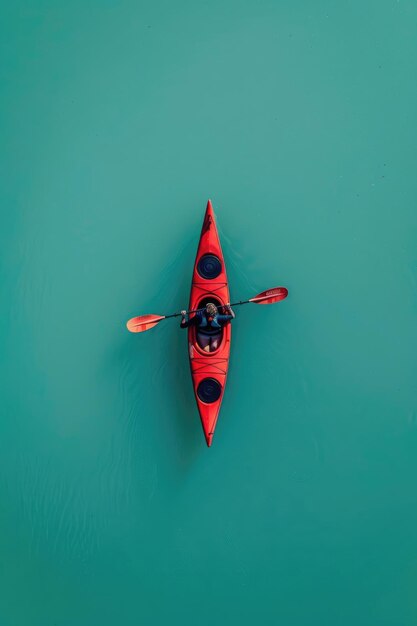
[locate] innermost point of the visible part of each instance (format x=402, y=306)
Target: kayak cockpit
x=199, y=339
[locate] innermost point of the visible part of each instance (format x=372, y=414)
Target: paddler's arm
x=229, y=314
x=222, y=319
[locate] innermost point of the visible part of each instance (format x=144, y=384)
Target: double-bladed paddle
x=146, y=322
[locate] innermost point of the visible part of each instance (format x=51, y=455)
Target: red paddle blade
x=143, y=322
x=270, y=296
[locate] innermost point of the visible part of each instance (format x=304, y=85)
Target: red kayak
x=209, y=284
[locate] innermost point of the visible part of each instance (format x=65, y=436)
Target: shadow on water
x=183, y=434
x=155, y=392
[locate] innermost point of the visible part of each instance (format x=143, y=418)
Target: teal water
x=118, y=121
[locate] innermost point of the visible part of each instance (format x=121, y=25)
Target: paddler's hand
x=183, y=322
x=229, y=309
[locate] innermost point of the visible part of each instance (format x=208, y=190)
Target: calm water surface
x=118, y=121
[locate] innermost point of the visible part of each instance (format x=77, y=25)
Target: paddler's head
x=211, y=310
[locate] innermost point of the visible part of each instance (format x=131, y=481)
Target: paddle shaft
x=196, y=310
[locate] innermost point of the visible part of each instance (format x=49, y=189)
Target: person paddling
x=209, y=323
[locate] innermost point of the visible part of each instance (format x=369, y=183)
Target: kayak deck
x=209, y=284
